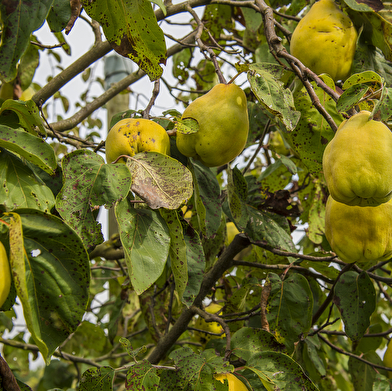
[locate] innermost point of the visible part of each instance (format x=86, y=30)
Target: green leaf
x=194, y=370
x=277, y=371
x=142, y=376
x=181, y=61
x=160, y=4
x=356, y=86
x=355, y=297
x=88, y=183
x=19, y=20
x=28, y=114
x=146, y=241
x=313, y=203
x=207, y=199
x=312, y=354
x=178, y=253
x=269, y=228
x=28, y=65
x=290, y=308
x=248, y=341
x=351, y=97
x=88, y=338
x=57, y=376
x=312, y=133
x=363, y=375
x=237, y=192
x=367, y=344
x=51, y=272
x=271, y=93
x=381, y=383
x=97, y=379
x=132, y=30
x=160, y=180
x=196, y=263
x=21, y=188
x=275, y=177
x=33, y=149
x=59, y=15
x=187, y=126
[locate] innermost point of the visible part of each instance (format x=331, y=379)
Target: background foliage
x=293, y=316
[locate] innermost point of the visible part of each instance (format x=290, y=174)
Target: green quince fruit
x=222, y=115
x=278, y=144
x=325, y=40
x=361, y=234
x=387, y=360
x=133, y=135
x=357, y=163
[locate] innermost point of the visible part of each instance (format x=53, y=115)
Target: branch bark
x=224, y=262
x=115, y=89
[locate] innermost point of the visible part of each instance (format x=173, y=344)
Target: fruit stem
x=233, y=78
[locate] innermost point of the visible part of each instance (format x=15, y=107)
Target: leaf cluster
x=122, y=313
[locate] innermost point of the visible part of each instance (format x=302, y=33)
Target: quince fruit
x=27, y=94
x=357, y=163
x=361, y=234
x=325, y=40
x=235, y=384
x=232, y=231
x=388, y=358
x=277, y=144
x=222, y=115
x=213, y=327
x=133, y=135
x=5, y=275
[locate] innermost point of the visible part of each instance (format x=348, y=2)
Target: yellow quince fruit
x=133, y=135
x=222, y=115
x=231, y=231
x=213, y=327
x=235, y=384
x=359, y=234
x=27, y=94
x=325, y=40
x=388, y=358
x=5, y=275
x=357, y=163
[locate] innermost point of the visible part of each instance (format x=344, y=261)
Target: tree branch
x=224, y=262
x=115, y=89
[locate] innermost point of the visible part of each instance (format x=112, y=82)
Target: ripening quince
x=277, y=144
x=235, y=384
x=388, y=358
x=27, y=94
x=357, y=163
x=231, y=231
x=325, y=40
x=5, y=275
x=359, y=234
x=133, y=135
x=213, y=327
x=222, y=115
